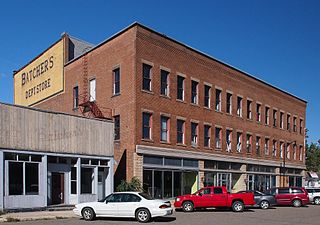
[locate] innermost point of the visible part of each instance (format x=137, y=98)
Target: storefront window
x=167, y=184
x=147, y=182
x=73, y=180
x=32, y=178
x=209, y=179
x=15, y=178
x=86, y=180
x=172, y=162
x=177, y=183
x=157, y=184
x=190, y=163
x=189, y=182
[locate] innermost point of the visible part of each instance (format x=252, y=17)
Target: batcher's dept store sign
x=41, y=78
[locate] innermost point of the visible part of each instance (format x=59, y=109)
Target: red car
x=296, y=196
x=214, y=197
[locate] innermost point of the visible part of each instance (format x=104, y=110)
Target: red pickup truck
x=214, y=197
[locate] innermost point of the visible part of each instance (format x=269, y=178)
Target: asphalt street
x=309, y=215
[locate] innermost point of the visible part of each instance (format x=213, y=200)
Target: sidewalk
x=37, y=215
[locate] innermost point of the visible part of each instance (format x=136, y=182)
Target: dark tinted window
x=296, y=190
x=130, y=198
x=217, y=191
x=146, y=196
x=206, y=191
x=283, y=191
x=310, y=190
x=114, y=198
x=317, y=190
x=271, y=191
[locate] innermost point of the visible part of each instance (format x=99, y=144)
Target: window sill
x=115, y=95
x=148, y=92
x=218, y=149
x=207, y=148
x=165, y=142
x=75, y=109
x=182, y=101
x=217, y=111
x=195, y=104
x=207, y=108
x=182, y=145
x=250, y=120
x=147, y=140
x=229, y=114
x=165, y=96
x=240, y=117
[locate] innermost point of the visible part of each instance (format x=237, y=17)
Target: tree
x=133, y=185
x=313, y=156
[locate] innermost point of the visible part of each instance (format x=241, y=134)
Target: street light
x=284, y=161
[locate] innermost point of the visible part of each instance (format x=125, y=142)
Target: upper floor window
x=229, y=140
x=146, y=126
x=92, y=90
x=249, y=109
x=75, y=97
x=180, y=88
x=300, y=153
x=207, y=131
x=194, y=134
x=164, y=129
x=218, y=137
x=274, y=148
x=267, y=116
x=116, y=81
x=207, y=96
x=164, y=89
x=275, y=118
x=194, y=92
x=301, y=126
x=146, y=70
x=258, y=112
x=239, y=106
x=294, y=152
x=117, y=127
x=294, y=124
x=249, y=143
x=288, y=150
x=218, y=100
x=258, y=146
x=229, y=103
x=180, y=131
x=281, y=149
x=266, y=146
x=239, y=141
x=281, y=120
x=288, y=122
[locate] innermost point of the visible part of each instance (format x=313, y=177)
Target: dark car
x=264, y=201
x=295, y=196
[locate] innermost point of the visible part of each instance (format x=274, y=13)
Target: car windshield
x=146, y=196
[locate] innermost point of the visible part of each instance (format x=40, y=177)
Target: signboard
x=41, y=78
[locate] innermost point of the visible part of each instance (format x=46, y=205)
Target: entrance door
x=224, y=179
x=102, y=175
x=57, y=188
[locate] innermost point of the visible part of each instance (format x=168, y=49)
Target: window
x=207, y=129
x=296, y=190
x=300, y=153
x=281, y=149
x=229, y=103
x=249, y=143
x=32, y=178
x=87, y=178
x=267, y=117
x=73, y=180
x=15, y=178
x=146, y=128
x=117, y=127
x=288, y=122
x=274, y=148
x=194, y=92
x=92, y=90
x=249, y=111
x=239, y=141
x=164, y=129
x=146, y=84
x=164, y=89
x=217, y=191
x=218, y=100
x=206, y=191
x=116, y=81
x=180, y=131
x=275, y=118
x=228, y=140
x=294, y=124
x=266, y=146
x=258, y=112
x=239, y=106
x=207, y=95
x=258, y=145
x=288, y=150
x=283, y=191
x=294, y=152
x=75, y=97
x=301, y=126
x=281, y=120
x=194, y=134
x=180, y=88
x=218, y=137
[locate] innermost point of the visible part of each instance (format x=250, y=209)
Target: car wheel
x=143, y=215
x=317, y=201
x=187, y=206
x=296, y=203
x=88, y=214
x=238, y=206
x=264, y=204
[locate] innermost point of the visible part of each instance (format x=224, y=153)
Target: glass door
x=224, y=179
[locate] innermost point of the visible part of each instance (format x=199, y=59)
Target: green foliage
x=313, y=157
x=133, y=185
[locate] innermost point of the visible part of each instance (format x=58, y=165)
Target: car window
x=115, y=198
x=310, y=190
x=316, y=190
x=296, y=190
x=271, y=191
x=217, y=191
x=257, y=193
x=283, y=191
x=206, y=191
x=146, y=196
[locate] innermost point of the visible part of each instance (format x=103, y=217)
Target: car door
x=128, y=205
x=283, y=196
x=310, y=194
x=203, y=198
x=110, y=206
x=219, y=199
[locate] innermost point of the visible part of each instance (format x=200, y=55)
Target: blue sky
x=276, y=41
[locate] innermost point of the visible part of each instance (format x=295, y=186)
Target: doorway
x=57, y=188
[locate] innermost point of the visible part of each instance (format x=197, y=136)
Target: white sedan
x=125, y=204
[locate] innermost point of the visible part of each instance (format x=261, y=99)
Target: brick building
x=183, y=119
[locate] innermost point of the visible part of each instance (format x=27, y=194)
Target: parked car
x=125, y=204
x=214, y=197
x=296, y=196
x=262, y=200
x=314, y=195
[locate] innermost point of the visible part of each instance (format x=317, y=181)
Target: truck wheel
x=317, y=201
x=187, y=206
x=264, y=204
x=296, y=203
x=237, y=206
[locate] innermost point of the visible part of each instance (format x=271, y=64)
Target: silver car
x=314, y=195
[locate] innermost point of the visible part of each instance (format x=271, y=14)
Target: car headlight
x=177, y=199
